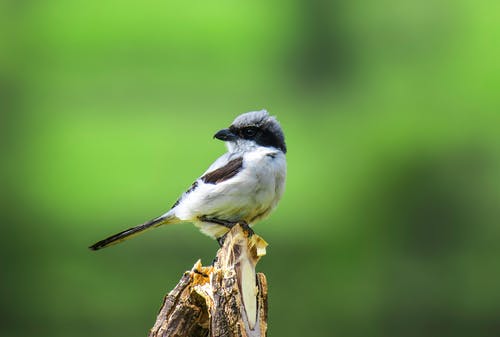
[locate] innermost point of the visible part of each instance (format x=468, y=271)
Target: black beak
x=225, y=135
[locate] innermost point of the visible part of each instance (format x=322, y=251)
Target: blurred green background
x=390, y=222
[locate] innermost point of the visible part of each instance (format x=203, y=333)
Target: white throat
x=242, y=145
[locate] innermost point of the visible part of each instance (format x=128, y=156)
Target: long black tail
x=128, y=233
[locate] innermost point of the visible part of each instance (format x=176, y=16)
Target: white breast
x=249, y=196
x=268, y=171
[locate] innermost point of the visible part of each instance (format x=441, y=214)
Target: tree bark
x=227, y=299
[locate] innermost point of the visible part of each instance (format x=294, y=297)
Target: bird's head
x=253, y=129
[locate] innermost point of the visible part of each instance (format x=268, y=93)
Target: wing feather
x=215, y=176
x=224, y=173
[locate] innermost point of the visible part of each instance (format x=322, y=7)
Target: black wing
x=224, y=173
x=217, y=176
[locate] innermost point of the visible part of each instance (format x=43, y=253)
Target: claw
x=247, y=229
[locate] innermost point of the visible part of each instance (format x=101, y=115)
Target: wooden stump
x=227, y=299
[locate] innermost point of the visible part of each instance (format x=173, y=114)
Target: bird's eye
x=249, y=132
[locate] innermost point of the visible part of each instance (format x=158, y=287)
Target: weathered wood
x=227, y=299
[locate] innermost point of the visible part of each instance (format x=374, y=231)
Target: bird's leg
x=228, y=224
x=246, y=228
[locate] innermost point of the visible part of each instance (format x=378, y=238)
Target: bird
x=243, y=186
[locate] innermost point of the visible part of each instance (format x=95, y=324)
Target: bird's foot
x=246, y=228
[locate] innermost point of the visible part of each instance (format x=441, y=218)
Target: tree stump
x=227, y=299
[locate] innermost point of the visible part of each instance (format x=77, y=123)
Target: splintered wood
x=227, y=299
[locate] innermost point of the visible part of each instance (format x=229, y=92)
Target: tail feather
x=128, y=233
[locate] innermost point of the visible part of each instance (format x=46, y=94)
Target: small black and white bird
x=242, y=186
